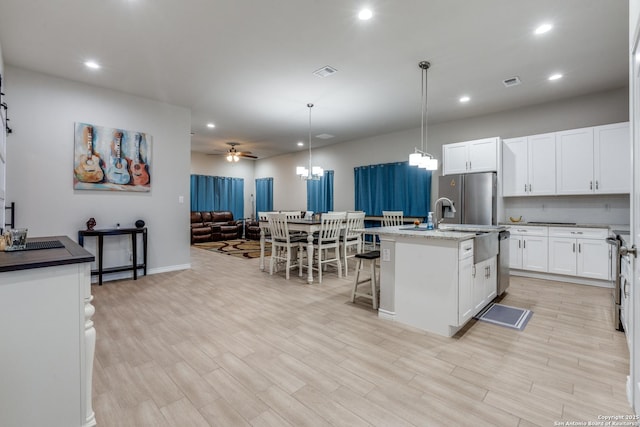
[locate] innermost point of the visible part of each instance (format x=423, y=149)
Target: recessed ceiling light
x=300, y=143
x=543, y=29
x=211, y=125
x=556, y=76
x=465, y=99
x=92, y=64
x=365, y=14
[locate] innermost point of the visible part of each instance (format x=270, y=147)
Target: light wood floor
x=225, y=344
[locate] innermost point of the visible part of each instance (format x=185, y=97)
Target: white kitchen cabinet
x=465, y=290
x=470, y=156
x=579, y=252
x=485, y=283
x=529, y=165
x=612, y=159
x=593, y=160
x=528, y=249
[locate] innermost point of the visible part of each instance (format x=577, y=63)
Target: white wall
x=40, y=174
x=590, y=110
x=2, y=147
x=217, y=165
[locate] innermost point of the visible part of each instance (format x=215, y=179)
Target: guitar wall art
x=111, y=159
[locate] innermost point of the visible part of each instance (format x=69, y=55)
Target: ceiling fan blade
x=247, y=154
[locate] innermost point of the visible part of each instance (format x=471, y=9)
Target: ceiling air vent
x=325, y=71
x=325, y=136
x=512, y=81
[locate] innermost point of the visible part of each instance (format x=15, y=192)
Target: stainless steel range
x=621, y=280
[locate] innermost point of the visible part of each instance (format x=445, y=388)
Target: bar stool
x=372, y=257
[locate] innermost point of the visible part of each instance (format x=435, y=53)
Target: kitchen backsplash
x=606, y=209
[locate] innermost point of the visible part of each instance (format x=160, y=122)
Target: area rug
x=504, y=315
x=239, y=248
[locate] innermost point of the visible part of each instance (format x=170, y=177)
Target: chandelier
x=313, y=172
x=420, y=157
x=232, y=155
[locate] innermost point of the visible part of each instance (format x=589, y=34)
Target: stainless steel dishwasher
x=503, y=261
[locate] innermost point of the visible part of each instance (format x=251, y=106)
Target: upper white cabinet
x=612, y=158
x=480, y=155
x=593, y=160
x=529, y=165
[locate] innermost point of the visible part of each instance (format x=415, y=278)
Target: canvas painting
x=111, y=159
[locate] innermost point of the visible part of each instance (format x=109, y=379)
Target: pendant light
x=420, y=157
x=313, y=172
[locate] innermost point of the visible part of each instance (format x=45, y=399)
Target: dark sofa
x=214, y=226
x=252, y=229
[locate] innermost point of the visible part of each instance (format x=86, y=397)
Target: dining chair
x=392, y=218
x=262, y=216
x=328, y=238
x=283, y=245
x=351, y=237
x=294, y=215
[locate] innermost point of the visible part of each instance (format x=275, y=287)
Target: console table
x=133, y=232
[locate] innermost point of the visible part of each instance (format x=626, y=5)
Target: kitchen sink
x=485, y=246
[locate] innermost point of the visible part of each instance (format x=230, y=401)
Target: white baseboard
x=169, y=268
x=560, y=278
x=384, y=314
x=128, y=275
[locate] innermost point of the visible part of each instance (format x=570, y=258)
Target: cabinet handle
x=596, y=184
x=524, y=244
x=487, y=272
x=522, y=231
x=469, y=164
x=579, y=247
x=574, y=247
x=626, y=292
x=590, y=185
x=519, y=244
x=577, y=232
x=529, y=188
x=473, y=271
x=525, y=188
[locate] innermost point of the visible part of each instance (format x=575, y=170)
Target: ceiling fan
x=234, y=155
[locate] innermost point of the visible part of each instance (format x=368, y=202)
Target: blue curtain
x=320, y=193
x=217, y=193
x=393, y=186
x=264, y=195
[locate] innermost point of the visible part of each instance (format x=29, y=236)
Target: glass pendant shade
x=415, y=159
x=312, y=172
x=420, y=157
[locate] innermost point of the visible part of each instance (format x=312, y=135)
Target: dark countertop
x=72, y=253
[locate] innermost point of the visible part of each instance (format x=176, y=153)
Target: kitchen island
x=429, y=278
x=47, y=335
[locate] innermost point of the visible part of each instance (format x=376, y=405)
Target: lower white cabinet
x=465, y=290
x=581, y=252
x=528, y=248
x=485, y=283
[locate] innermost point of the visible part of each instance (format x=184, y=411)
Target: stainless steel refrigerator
x=474, y=198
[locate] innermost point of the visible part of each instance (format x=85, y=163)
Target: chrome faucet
x=442, y=200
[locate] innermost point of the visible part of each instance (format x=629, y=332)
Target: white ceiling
x=246, y=65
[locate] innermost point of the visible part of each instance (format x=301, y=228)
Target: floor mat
x=504, y=315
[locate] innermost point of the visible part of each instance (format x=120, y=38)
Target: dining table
x=308, y=226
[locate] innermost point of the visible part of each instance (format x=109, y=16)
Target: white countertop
x=420, y=232
x=556, y=224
